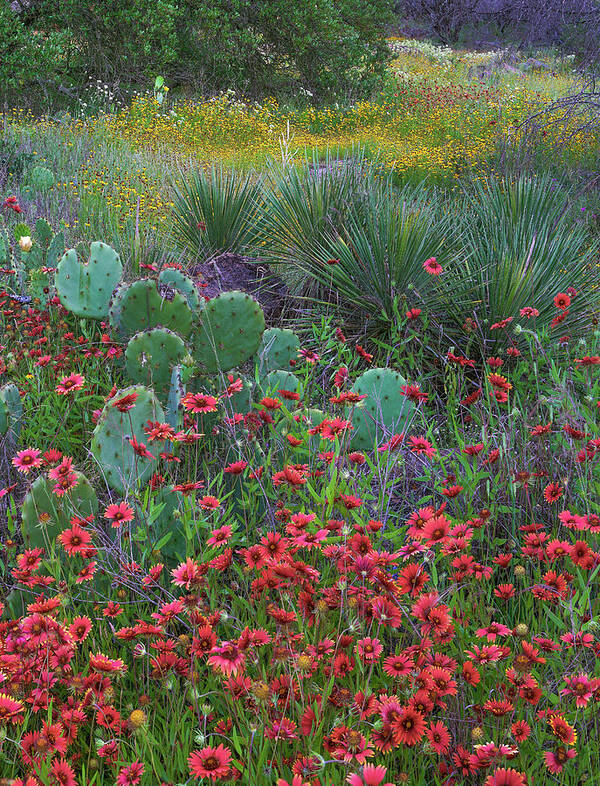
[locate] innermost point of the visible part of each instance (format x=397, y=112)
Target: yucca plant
x=522, y=247
x=216, y=212
x=303, y=204
x=368, y=255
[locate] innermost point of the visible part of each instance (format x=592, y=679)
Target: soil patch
x=232, y=271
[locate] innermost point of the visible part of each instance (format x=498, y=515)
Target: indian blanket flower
x=200, y=403
x=103, y=663
x=118, y=513
x=130, y=775
x=555, y=760
x=28, y=459
x=70, y=384
x=432, y=266
x=212, y=763
x=581, y=687
x=409, y=727
x=370, y=775
x=505, y=777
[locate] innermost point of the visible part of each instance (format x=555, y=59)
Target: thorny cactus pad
x=151, y=356
x=280, y=380
x=9, y=395
x=145, y=304
x=384, y=410
x=278, y=348
x=44, y=514
x=230, y=333
x=86, y=289
x=175, y=279
x=119, y=434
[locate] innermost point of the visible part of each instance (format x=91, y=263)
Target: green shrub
x=322, y=49
x=17, y=60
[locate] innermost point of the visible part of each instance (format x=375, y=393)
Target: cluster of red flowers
x=339, y=634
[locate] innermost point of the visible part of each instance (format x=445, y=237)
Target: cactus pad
x=176, y=393
x=383, y=412
x=141, y=305
x=175, y=279
x=278, y=347
x=231, y=330
x=44, y=515
x=280, y=380
x=150, y=357
x=121, y=466
x=86, y=289
x=41, y=178
x=10, y=397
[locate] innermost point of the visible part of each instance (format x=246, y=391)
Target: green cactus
x=384, y=411
x=240, y=402
x=121, y=466
x=142, y=305
x=280, y=380
x=279, y=346
x=39, y=288
x=151, y=356
x=47, y=247
x=175, y=279
x=14, y=281
x=21, y=230
x=43, y=232
x=232, y=325
x=4, y=417
x=86, y=289
x=176, y=393
x=44, y=515
x=11, y=399
x=41, y=178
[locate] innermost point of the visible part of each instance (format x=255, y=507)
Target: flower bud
x=25, y=243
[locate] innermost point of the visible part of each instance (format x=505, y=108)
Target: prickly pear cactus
x=240, y=402
x=175, y=279
x=151, y=356
x=141, y=305
x=39, y=288
x=47, y=247
x=280, y=380
x=86, y=289
x=11, y=399
x=176, y=393
x=232, y=325
x=383, y=412
x=165, y=534
x=4, y=417
x=43, y=232
x=121, y=465
x=278, y=347
x=44, y=515
x=8, y=262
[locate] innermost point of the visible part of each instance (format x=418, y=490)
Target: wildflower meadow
x=300, y=435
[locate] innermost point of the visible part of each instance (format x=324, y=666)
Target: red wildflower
x=432, y=266
x=70, y=384
x=27, y=459
x=118, y=513
x=210, y=762
x=199, y=402
x=409, y=727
